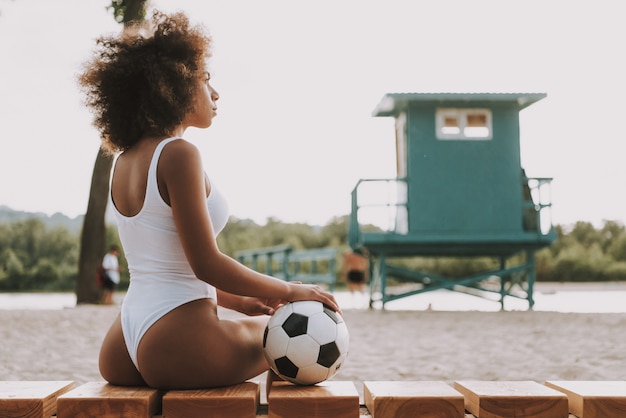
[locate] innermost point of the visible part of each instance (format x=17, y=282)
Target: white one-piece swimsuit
x=161, y=278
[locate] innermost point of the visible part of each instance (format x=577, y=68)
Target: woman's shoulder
x=179, y=153
x=180, y=146
x=179, y=168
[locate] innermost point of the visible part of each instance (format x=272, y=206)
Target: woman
x=146, y=87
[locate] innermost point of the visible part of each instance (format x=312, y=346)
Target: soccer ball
x=305, y=342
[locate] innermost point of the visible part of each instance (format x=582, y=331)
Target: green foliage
x=244, y=234
x=585, y=253
x=34, y=256
x=617, y=248
x=579, y=263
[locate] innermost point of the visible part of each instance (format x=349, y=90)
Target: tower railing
x=381, y=203
x=537, y=205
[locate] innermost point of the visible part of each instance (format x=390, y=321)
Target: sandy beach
x=385, y=345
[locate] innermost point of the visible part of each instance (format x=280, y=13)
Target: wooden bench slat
x=241, y=401
x=593, y=399
x=335, y=399
x=520, y=399
x=100, y=399
x=397, y=399
x=31, y=399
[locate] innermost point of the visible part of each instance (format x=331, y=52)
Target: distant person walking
x=355, y=271
x=111, y=277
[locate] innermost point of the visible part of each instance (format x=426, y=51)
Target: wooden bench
x=403, y=399
x=327, y=399
x=100, y=399
x=512, y=399
x=337, y=399
x=25, y=399
x=593, y=399
x=241, y=401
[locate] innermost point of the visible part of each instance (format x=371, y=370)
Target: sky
x=298, y=81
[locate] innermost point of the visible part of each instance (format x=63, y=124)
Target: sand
x=385, y=345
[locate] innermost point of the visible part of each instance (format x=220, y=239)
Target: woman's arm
x=181, y=173
x=248, y=305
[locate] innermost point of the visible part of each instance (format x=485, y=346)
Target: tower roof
x=393, y=103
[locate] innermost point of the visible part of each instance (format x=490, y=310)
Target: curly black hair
x=144, y=80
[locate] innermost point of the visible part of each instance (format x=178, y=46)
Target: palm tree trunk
x=92, y=240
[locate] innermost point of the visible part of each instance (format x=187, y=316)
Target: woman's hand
x=312, y=292
x=252, y=306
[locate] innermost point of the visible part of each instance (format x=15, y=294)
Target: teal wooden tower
x=460, y=191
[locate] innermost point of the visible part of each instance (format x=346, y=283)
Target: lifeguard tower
x=460, y=191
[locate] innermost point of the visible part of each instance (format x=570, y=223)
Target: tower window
x=459, y=123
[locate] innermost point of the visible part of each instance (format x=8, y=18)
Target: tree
x=92, y=242
x=127, y=11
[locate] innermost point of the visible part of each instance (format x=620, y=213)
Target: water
x=600, y=301
x=37, y=301
x=555, y=297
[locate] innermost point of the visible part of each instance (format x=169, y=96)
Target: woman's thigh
x=191, y=347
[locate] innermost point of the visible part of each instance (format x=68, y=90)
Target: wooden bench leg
x=521, y=399
x=593, y=399
x=102, y=400
x=241, y=401
x=412, y=399
x=31, y=399
x=335, y=399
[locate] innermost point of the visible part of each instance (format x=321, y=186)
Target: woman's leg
x=116, y=367
x=191, y=347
